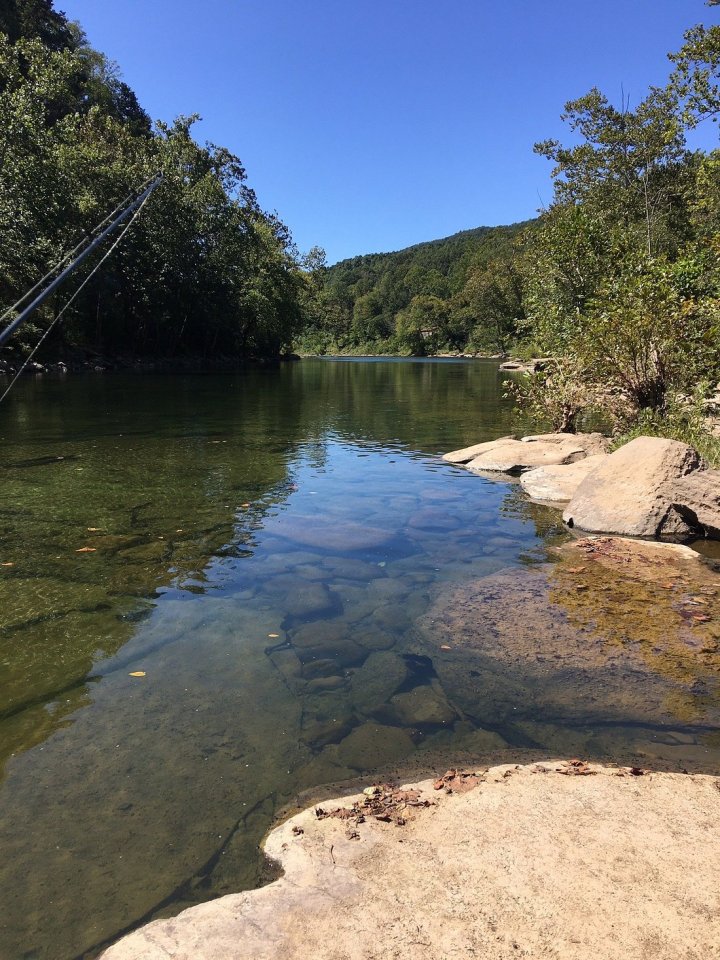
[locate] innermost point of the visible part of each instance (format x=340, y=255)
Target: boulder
x=376, y=681
x=508, y=455
x=559, y=482
x=466, y=454
x=514, y=456
x=591, y=443
x=647, y=489
x=699, y=495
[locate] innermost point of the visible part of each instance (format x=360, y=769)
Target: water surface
x=266, y=548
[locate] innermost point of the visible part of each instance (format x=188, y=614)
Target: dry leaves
x=137, y=673
x=455, y=781
x=576, y=768
x=384, y=802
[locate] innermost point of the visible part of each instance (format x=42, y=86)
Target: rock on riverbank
x=508, y=455
x=556, y=859
x=653, y=488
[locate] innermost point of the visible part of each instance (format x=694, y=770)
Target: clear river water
x=268, y=549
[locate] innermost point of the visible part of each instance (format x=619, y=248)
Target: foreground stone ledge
x=556, y=859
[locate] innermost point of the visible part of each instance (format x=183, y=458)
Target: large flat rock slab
x=562, y=860
x=508, y=455
x=618, y=630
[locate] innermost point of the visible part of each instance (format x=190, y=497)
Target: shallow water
x=267, y=548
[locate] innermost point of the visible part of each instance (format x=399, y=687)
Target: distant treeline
x=203, y=272
x=618, y=281
x=460, y=293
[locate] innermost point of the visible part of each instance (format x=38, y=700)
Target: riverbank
x=91, y=362
x=558, y=859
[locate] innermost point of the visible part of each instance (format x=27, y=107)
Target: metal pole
x=42, y=297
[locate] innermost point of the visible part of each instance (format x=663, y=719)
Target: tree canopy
x=204, y=271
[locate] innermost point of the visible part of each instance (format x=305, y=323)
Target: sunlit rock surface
x=555, y=859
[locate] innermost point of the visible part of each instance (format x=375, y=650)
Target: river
x=264, y=548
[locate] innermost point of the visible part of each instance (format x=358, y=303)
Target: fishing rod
x=44, y=294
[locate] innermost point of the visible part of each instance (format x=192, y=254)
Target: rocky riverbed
x=564, y=858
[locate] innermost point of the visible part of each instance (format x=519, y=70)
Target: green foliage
x=204, y=271
x=557, y=396
x=621, y=279
x=381, y=302
x=683, y=419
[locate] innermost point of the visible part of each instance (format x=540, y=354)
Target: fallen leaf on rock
x=86, y=550
x=273, y=635
x=455, y=781
x=137, y=673
x=445, y=646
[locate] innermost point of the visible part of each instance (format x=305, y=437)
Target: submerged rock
x=333, y=534
x=426, y=705
x=574, y=641
x=376, y=681
x=326, y=640
x=373, y=744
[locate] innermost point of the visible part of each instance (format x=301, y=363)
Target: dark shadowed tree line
x=204, y=272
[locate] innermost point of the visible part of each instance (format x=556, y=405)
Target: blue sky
x=373, y=125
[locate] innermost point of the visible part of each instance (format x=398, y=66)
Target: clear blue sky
x=372, y=125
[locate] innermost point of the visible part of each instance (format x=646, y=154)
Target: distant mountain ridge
x=459, y=238
x=433, y=295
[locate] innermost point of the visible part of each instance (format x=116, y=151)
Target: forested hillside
x=618, y=281
x=203, y=272
x=458, y=293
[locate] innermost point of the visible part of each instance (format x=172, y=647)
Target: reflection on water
x=267, y=549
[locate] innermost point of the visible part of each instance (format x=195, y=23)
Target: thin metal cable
x=73, y=298
x=86, y=239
